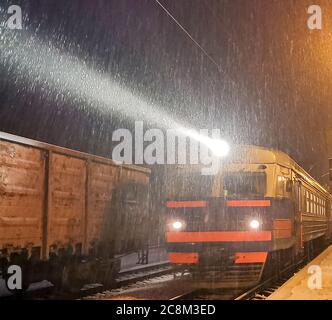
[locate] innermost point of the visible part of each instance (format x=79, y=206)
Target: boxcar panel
x=102, y=181
x=66, y=203
x=22, y=177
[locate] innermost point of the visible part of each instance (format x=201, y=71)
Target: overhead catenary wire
x=189, y=35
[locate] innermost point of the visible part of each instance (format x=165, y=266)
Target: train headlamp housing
x=177, y=225
x=254, y=224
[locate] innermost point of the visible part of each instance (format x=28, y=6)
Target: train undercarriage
x=218, y=271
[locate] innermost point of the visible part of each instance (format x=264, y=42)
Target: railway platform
x=313, y=282
x=156, y=255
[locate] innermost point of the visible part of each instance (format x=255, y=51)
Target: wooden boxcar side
x=54, y=199
x=22, y=180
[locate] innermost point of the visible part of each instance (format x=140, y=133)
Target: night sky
x=272, y=86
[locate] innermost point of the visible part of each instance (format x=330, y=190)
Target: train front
x=218, y=227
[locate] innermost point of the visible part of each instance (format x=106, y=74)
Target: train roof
x=69, y=152
x=257, y=154
x=261, y=155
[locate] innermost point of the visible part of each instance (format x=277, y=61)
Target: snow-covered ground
x=128, y=262
x=33, y=286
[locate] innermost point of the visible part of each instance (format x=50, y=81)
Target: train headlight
x=177, y=225
x=254, y=224
x=219, y=148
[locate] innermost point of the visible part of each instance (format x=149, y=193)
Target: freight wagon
x=65, y=215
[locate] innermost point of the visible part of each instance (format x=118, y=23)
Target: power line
x=189, y=35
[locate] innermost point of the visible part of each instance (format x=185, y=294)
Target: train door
x=131, y=217
x=298, y=201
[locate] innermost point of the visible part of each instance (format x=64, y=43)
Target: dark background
x=272, y=87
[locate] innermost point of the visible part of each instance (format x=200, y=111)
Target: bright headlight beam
x=39, y=64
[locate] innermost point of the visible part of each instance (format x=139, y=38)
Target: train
x=65, y=215
x=259, y=214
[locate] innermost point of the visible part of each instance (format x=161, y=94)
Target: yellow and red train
x=261, y=212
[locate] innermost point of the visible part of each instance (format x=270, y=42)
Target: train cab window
x=248, y=184
x=187, y=185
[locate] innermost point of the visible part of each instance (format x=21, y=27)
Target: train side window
x=280, y=185
x=299, y=199
x=289, y=185
x=317, y=205
x=307, y=202
x=284, y=186
x=323, y=207
x=313, y=204
x=324, y=204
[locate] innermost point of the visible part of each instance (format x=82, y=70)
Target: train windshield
x=245, y=184
x=188, y=185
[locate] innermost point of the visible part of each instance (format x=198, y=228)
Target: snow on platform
x=156, y=255
x=313, y=282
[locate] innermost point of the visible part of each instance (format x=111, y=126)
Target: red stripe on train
x=230, y=236
x=183, y=257
x=250, y=257
x=248, y=203
x=186, y=204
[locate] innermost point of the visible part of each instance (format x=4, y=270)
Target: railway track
x=266, y=288
x=130, y=276
x=259, y=292
x=125, y=278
